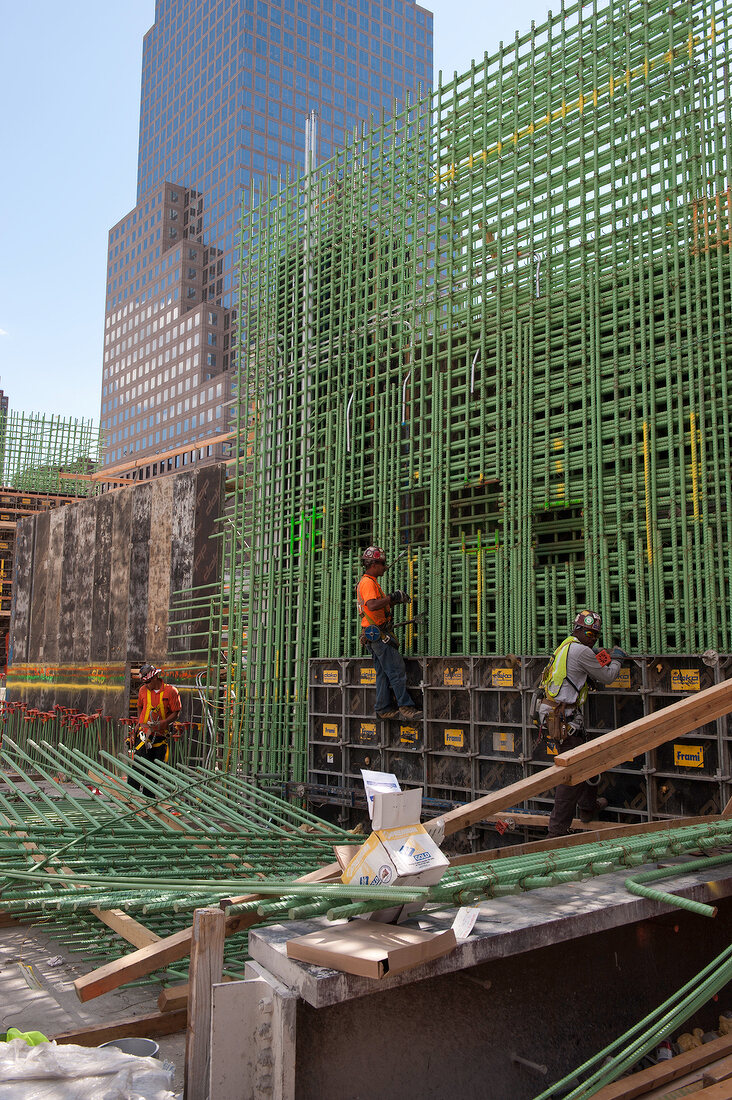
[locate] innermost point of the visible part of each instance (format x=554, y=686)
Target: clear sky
x=69, y=89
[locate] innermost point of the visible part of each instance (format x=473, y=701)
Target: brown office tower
x=226, y=91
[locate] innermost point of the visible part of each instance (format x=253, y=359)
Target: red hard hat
x=588, y=620
x=373, y=554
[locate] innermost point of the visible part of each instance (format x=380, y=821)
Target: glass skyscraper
x=226, y=88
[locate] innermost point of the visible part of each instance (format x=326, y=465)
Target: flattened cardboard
x=370, y=950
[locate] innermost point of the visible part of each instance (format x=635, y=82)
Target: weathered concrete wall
x=92, y=589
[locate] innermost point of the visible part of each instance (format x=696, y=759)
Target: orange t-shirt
x=171, y=701
x=370, y=589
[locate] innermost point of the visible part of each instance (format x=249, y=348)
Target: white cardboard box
x=399, y=850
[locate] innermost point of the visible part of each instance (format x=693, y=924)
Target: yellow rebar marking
x=694, y=466
x=578, y=104
x=647, y=480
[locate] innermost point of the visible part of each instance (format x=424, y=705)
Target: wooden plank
x=718, y=1071
x=126, y=927
x=146, y=1027
x=207, y=962
x=174, y=997
x=463, y=816
x=168, y=950
x=603, y=752
x=663, y=1072
x=653, y=729
x=721, y=1091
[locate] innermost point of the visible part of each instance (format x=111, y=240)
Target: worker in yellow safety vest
x=564, y=688
x=158, y=706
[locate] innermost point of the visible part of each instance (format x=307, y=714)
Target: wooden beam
x=718, y=1071
x=653, y=729
x=663, y=1072
x=174, y=997
x=604, y=752
x=207, y=962
x=146, y=1027
x=168, y=950
x=126, y=927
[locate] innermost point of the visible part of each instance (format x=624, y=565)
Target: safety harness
x=147, y=711
x=554, y=675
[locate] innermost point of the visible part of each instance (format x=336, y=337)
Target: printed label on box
x=502, y=677
x=456, y=738
x=685, y=679
x=551, y=748
x=622, y=680
x=368, y=731
x=330, y=758
x=689, y=756
x=453, y=677
x=368, y=675
x=408, y=735
x=330, y=729
x=503, y=741
x=330, y=675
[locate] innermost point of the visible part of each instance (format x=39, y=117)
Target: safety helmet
x=149, y=672
x=588, y=620
x=372, y=555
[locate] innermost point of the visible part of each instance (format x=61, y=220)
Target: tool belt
x=374, y=633
x=556, y=724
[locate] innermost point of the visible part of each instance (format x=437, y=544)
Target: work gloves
x=618, y=654
x=399, y=597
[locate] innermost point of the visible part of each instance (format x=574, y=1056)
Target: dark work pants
x=136, y=778
x=390, y=674
x=569, y=800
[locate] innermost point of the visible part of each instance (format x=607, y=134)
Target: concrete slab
x=507, y=926
x=37, y=993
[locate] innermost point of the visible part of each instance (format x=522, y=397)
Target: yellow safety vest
x=146, y=717
x=555, y=672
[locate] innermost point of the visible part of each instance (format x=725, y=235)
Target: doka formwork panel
x=99, y=635
x=119, y=604
x=159, y=569
x=40, y=584
x=139, y=551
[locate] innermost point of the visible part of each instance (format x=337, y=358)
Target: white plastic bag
x=51, y=1072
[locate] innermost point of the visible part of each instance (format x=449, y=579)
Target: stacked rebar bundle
x=493, y=331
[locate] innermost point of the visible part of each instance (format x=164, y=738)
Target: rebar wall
x=494, y=331
x=48, y=454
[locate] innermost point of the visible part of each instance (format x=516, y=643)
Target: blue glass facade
x=226, y=88
x=227, y=85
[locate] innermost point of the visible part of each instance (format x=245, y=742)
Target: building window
x=212, y=339
x=211, y=359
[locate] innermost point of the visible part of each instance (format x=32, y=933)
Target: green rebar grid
x=492, y=330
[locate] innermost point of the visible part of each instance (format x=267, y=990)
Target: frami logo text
x=689, y=756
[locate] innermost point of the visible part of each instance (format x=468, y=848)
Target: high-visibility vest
x=555, y=672
x=147, y=711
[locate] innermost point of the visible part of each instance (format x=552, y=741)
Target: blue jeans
x=390, y=673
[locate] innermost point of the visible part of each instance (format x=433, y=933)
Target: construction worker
x=377, y=635
x=564, y=685
x=158, y=706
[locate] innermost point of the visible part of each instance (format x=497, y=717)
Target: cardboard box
x=405, y=855
x=369, y=949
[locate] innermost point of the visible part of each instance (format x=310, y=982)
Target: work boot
x=392, y=712
x=586, y=816
x=410, y=713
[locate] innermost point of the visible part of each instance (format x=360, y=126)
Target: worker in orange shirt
x=377, y=635
x=158, y=706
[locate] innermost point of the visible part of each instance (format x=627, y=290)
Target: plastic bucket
x=142, y=1048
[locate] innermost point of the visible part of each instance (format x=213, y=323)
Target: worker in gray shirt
x=564, y=686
